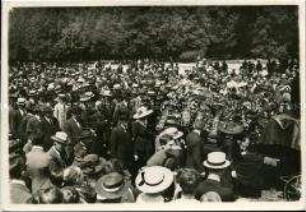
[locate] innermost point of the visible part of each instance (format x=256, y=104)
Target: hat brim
x=178, y=135
x=166, y=183
x=225, y=165
x=111, y=195
x=149, y=112
x=58, y=140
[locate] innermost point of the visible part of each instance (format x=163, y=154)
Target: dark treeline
x=161, y=33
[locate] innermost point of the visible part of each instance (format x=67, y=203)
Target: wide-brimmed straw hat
x=60, y=137
x=112, y=186
x=142, y=112
x=154, y=179
x=216, y=160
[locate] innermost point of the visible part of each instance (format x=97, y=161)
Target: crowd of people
x=149, y=132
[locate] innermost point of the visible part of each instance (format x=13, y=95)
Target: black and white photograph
x=153, y=104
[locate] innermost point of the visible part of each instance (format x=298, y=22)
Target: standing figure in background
x=60, y=110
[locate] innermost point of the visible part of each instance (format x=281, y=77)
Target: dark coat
x=73, y=130
x=34, y=128
x=144, y=142
x=22, y=129
x=20, y=194
x=57, y=165
x=49, y=128
x=15, y=121
x=122, y=145
x=194, y=155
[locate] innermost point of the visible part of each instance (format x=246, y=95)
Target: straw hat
x=154, y=179
x=216, y=160
x=142, y=112
x=112, y=186
x=60, y=137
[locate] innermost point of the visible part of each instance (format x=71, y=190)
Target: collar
x=214, y=177
x=197, y=131
x=35, y=147
x=19, y=182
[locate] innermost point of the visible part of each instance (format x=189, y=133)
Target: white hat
x=154, y=179
x=60, y=137
x=173, y=132
x=142, y=112
x=216, y=160
x=21, y=101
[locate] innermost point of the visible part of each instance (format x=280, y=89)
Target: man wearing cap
x=59, y=158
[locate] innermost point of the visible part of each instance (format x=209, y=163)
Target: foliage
x=163, y=33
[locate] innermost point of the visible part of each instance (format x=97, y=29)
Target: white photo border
x=264, y=206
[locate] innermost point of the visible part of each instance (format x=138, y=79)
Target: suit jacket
x=49, y=128
x=144, y=141
x=73, y=130
x=57, y=165
x=121, y=144
x=194, y=156
x=19, y=193
x=22, y=129
x=34, y=128
x=15, y=120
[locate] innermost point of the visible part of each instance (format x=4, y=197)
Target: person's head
x=188, y=179
x=244, y=143
x=76, y=112
x=73, y=175
x=60, y=141
x=210, y=196
x=52, y=195
x=70, y=195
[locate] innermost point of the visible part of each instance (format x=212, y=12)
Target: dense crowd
x=149, y=132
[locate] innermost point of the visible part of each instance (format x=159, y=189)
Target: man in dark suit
x=16, y=115
x=121, y=143
x=73, y=126
x=194, y=155
x=50, y=126
x=59, y=158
